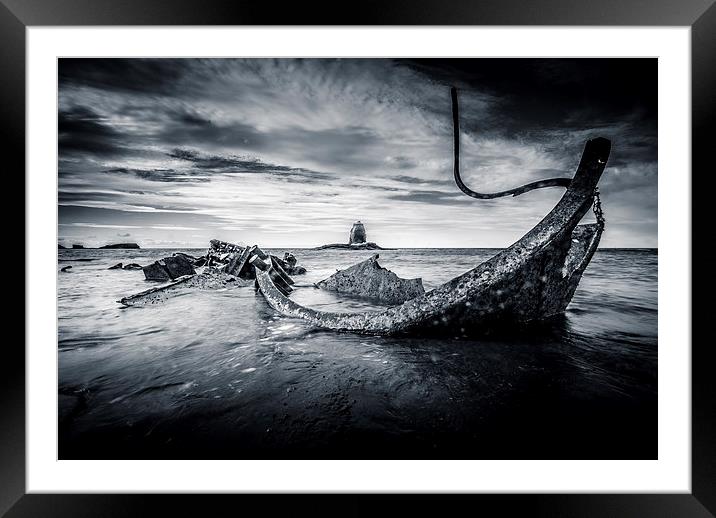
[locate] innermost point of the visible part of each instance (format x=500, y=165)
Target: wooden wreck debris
x=369, y=279
x=232, y=258
x=237, y=262
x=290, y=264
x=262, y=262
x=219, y=247
x=209, y=279
x=232, y=269
x=220, y=251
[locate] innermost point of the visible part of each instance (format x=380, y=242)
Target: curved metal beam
x=551, y=182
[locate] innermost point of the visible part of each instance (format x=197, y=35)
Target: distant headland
x=133, y=246
x=121, y=245
x=357, y=240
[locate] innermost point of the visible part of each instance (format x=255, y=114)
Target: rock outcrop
x=369, y=279
x=77, y=247
x=168, y=268
x=130, y=266
x=178, y=267
x=357, y=234
x=357, y=240
x=343, y=246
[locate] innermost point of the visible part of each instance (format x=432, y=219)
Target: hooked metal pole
x=551, y=182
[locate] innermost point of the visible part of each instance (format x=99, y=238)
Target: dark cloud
x=234, y=164
x=433, y=197
x=187, y=128
x=542, y=94
x=67, y=197
x=81, y=130
x=151, y=76
x=194, y=120
x=160, y=175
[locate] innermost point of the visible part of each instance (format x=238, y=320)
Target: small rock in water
x=156, y=272
x=169, y=268
x=289, y=259
x=66, y=269
x=189, y=258
x=178, y=266
x=132, y=266
x=117, y=266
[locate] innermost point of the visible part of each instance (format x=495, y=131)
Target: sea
x=220, y=375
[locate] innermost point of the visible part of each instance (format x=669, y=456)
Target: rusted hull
x=533, y=279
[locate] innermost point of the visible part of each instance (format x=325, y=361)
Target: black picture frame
x=700, y=15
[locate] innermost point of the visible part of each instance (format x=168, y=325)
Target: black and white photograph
x=358, y=258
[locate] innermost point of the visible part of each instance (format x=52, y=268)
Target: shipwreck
x=532, y=280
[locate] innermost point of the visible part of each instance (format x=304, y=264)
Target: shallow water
x=219, y=374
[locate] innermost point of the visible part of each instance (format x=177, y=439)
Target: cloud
x=159, y=175
x=235, y=164
x=151, y=76
x=290, y=151
x=432, y=197
x=81, y=130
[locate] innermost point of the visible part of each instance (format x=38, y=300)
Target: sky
x=290, y=152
